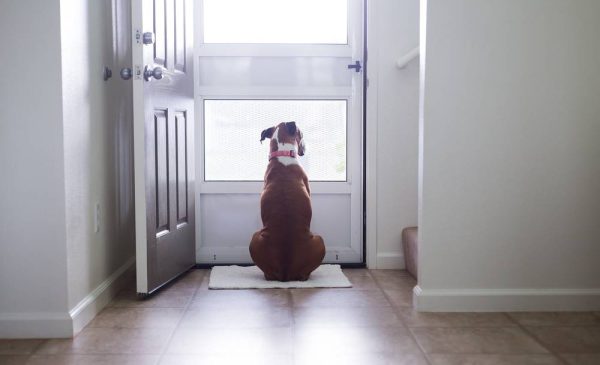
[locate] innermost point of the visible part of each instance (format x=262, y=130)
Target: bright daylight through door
x=259, y=63
x=276, y=21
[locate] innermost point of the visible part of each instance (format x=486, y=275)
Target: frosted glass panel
x=276, y=21
x=232, y=133
x=275, y=71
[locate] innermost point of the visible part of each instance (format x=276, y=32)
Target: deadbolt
x=125, y=73
x=156, y=72
x=148, y=38
x=107, y=73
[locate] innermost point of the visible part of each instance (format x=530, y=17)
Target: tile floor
x=372, y=323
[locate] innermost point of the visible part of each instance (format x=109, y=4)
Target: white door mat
x=251, y=277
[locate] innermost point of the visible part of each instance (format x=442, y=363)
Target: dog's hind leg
x=312, y=257
x=262, y=256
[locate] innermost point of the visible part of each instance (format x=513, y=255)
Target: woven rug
x=251, y=277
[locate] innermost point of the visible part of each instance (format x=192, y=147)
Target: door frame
x=272, y=51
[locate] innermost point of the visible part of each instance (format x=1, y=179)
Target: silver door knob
x=126, y=73
x=148, y=38
x=156, y=72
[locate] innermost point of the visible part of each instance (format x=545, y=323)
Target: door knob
x=156, y=72
x=148, y=38
x=125, y=73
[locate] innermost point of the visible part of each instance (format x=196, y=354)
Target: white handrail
x=404, y=60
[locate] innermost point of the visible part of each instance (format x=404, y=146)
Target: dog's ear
x=291, y=128
x=267, y=133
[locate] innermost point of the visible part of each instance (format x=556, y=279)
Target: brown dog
x=285, y=249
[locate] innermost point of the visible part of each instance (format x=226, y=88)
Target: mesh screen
x=232, y=132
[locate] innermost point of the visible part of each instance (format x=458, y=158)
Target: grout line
x=45, y=341
x=536, y=339
x=397, y=313
x=185, y=310
x=293, y=324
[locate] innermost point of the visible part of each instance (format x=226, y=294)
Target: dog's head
x=287, y=133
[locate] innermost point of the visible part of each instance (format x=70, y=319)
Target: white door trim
x=139, y=153
x=371, y=136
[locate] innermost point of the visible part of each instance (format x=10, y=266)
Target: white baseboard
x=94, y=302
x=35, y=325
x=63, y=324
x=390, y=261
x=505, y=300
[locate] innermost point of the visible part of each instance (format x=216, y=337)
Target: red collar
x=274, y=154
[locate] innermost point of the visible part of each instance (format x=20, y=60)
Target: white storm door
x=259, y=63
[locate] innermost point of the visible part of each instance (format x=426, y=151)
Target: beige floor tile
x=18, y=347
x=411, y=318
x=251, y=317
x=190, y=280
x=147, y=341
x=162, y=299
x=116, y=317
x=361, y=279
x=394, y=273
x=13, y=359
x=569, y=339
x=356, y=272
x=261, y=298
x=205, y=280
x=394, y=279
x=400, y=297
x=331, y=341
x=93, y=360
x=582, y=359
x=338, y=298
x=494, y=360
x=556, y=318
x=360, y=359
x=229, y=359
x=345, y=317
x=255, y=342
x=491, y=340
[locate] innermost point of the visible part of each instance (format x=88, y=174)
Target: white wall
x=65, y=145
x=97, y=139
x=510, y=196
x=33, y=271
x=393, y=106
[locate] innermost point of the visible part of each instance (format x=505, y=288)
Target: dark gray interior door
x=163, y=140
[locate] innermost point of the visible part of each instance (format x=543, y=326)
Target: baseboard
x=505, y=300
x=35, y=325
x=94, y=302
x=390, y=261
x=63, y=324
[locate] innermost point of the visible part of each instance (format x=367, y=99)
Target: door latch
x=356, y=66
